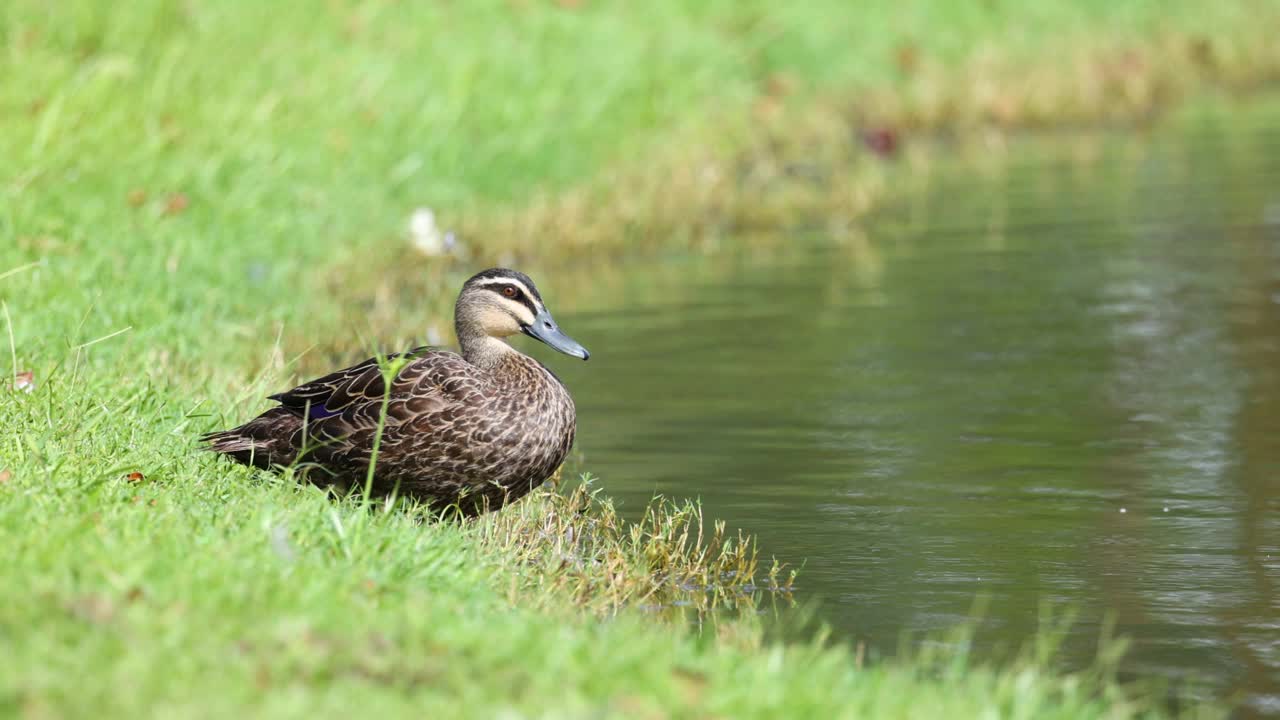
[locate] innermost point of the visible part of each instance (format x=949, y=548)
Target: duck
x=469, y=431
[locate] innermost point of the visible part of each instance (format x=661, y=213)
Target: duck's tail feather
x=265, y=441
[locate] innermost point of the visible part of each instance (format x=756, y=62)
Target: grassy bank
x=189, y=189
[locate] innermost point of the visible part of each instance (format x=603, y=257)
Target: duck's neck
x=487, y=352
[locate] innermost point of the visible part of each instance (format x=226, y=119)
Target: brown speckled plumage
x=477, y=430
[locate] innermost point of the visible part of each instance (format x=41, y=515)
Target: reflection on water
x=1050, y=385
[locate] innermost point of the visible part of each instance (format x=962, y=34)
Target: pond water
x=1057, y=381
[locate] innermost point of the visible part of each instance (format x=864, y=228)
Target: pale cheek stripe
x=523, y=313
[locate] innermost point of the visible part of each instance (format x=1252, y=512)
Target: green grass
x=191, y=192
x=204, y=590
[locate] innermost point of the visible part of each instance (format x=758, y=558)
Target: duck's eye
x=509, y=291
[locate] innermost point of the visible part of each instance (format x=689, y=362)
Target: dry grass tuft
x=574, y=545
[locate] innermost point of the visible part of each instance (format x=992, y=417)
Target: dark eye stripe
x=519, y=297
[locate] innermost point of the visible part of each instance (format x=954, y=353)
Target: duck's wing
x=332, y=420
x=340, y=416
x=352, y=391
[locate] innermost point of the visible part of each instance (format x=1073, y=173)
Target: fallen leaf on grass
x=882, y=141
x=176, y=204
x=24, y=381
x=907, y=57
x=5, y=474
x=779, y=85
x=95, y=609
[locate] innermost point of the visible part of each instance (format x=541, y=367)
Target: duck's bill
x=544, y=328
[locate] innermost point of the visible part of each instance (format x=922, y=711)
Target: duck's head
x=498, y=303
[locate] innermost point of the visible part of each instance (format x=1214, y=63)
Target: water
x=1058, y=382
